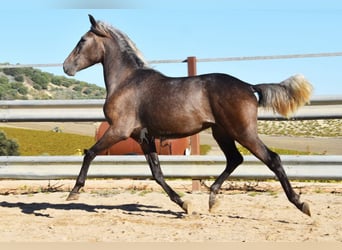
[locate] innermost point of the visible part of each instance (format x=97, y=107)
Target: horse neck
x=116, y=68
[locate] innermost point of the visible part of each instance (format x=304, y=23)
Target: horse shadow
x=38, y=209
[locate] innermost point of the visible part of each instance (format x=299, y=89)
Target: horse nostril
x=68, y=70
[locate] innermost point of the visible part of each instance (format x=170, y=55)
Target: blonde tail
x=286, y=97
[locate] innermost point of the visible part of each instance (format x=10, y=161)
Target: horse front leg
x=149, y=148
x=107, y=140
x=80, y=181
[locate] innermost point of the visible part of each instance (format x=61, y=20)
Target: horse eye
x=80, y=43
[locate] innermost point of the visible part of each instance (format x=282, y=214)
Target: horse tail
x=286, y=97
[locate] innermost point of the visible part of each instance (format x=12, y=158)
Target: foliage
x=9, y=90
x=307, y=128
x=7, y=147
x=34, y=142
x=40, y=78
x=30, y=83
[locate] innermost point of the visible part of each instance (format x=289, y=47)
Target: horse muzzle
x=69, y=69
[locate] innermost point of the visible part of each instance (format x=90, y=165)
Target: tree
x=8, y=147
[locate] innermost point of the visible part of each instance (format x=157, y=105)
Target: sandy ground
x=138, y=211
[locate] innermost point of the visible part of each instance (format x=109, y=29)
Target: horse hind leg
x=272, y=160
x=233, y=157
x=107, y=140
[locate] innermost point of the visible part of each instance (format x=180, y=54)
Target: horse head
x=88, y=51
x=100, y=42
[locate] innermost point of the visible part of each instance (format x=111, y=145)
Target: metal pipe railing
x=192, y=167
x=321, y=107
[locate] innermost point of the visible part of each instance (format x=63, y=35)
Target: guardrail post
x=195, y=140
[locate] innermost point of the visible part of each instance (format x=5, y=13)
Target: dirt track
x=135, y=211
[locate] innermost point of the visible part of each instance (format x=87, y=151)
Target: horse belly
x=174, y=123
x=180, y=109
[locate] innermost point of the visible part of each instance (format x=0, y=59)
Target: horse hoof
x=211, y=200
x=188, y=208
x=73, y=196
x=306, y=209
x=214, y=206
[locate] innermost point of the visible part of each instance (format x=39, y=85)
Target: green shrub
x=19, y=78
x=8, y=147
x=40, y=79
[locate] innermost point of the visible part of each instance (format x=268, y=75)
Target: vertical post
x=195, y=139
x=192, y=71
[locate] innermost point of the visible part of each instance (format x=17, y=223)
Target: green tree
x=8, y=147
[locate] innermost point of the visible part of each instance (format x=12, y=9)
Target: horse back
x=187, y=105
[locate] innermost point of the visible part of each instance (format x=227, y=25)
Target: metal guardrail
x=219, y=59
x=194, y=167
x=51, y=110
x=321, y=107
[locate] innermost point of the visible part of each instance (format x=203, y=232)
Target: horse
x=144, y=104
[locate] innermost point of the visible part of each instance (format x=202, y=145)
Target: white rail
x=321, y=107
x=194, y=167
x=220, y=59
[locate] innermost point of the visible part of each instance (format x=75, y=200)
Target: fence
x=195, y=167
x=220, y=59
x=321, y=107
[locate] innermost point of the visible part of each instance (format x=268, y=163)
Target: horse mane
x=125, y=43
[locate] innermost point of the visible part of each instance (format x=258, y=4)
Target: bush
x=67, y=82
x=61, y=86
x=7, y=146
x=77, y=88
x=37, y=86
x=12, y=71
x=87, y=91
x=40, y=79
x=19, y=78
x=3, y=80
x=19, y=87
x=22, y=90
x=57, y=80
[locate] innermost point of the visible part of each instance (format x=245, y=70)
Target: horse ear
x=92, y=21
x=95, y=27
